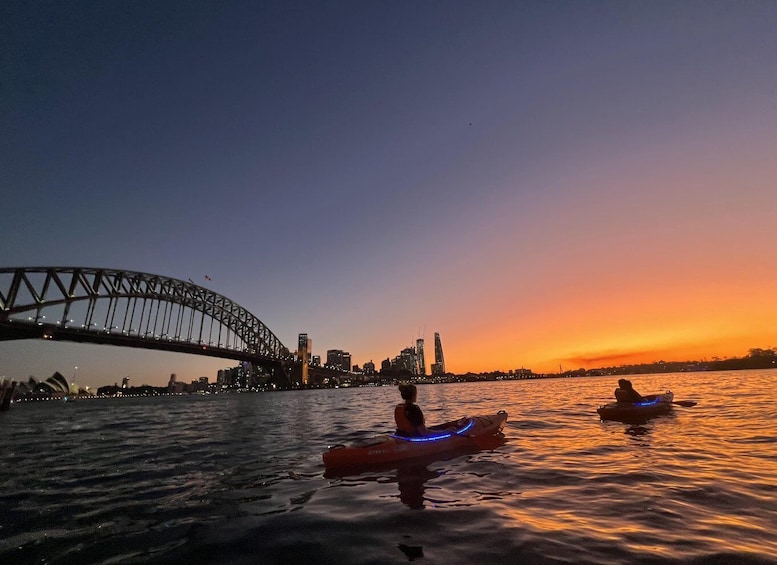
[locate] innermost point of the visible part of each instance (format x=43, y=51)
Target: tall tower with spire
x=439, y=360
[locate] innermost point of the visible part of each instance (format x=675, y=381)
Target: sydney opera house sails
x=56, y=386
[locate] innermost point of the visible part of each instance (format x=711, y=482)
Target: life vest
x=404, y=425
x=628, y=396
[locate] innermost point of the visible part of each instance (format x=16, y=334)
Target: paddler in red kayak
x=409, y=418
x=626, y=393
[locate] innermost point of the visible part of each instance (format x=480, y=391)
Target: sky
x=545, y=184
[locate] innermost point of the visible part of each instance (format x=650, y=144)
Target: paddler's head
x=409, y=392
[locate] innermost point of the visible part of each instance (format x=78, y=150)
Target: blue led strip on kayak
x=467, y=427
x=438, y=436
x=648, y=402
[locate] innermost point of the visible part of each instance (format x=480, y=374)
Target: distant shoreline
x=149, y=391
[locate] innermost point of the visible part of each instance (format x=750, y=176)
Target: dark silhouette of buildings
x=338, y=359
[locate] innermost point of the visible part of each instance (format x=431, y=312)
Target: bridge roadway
x=10, y=331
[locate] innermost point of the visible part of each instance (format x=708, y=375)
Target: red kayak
x=654, y=405
x=391, y=448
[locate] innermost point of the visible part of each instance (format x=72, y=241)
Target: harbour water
x=239, y=478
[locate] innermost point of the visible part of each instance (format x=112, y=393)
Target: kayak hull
x=654, y=405
x=390, y=448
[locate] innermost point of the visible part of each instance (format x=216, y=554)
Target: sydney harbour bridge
x=133, y=309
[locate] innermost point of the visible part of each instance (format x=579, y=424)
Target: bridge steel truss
x=133, y=309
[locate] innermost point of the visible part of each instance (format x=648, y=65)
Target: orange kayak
x=391, y=448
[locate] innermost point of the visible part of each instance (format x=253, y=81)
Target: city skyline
x=401, y=366
x=543, y=184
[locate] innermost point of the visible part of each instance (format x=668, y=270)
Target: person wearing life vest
x=409, y=418
x=625, y=393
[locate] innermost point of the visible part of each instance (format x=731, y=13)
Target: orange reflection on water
x=677, y=485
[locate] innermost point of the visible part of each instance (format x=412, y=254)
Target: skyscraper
x=304, y=345
x=339, y=359
x=406, y=361
x=419, y=357
x=439, y=360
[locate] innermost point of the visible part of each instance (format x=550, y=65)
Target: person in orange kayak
x=407, y=414
x=626, y=393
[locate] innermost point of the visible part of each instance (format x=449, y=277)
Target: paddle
x=686, y=403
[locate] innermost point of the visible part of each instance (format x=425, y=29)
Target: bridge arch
x=132, y=309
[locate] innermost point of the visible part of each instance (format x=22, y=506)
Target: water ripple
x=239, y=478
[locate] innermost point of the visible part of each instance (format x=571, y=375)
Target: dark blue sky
x=369, y=171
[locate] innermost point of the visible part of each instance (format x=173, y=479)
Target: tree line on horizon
x=756, y=358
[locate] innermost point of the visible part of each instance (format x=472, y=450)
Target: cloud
x=604, y=359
